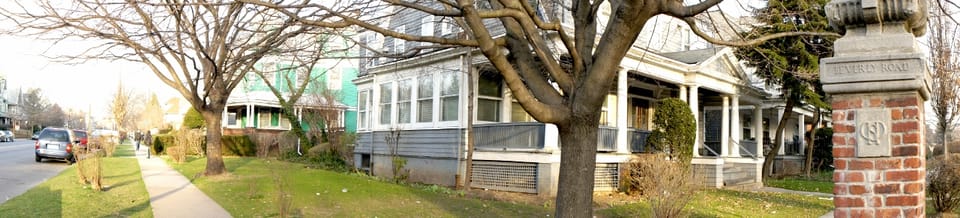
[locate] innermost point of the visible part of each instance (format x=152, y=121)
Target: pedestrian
x=136, y=139
x=148, y=140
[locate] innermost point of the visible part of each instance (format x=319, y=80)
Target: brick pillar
x=878, y=82
x=891, y=184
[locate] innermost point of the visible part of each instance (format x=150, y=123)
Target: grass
x=729, y=203
x=820, y=182
x=124, y=194
x=251, y=191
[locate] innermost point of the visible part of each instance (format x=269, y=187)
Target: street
x=18, y=170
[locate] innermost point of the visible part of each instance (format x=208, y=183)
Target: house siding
x=431, y=154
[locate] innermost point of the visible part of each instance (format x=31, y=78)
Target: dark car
x=55, y=143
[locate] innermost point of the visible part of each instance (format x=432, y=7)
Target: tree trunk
x=778, y=141
x=578, y=141
x=813, y=138
x=297, y=128
x=213, y=116
x=468, y=173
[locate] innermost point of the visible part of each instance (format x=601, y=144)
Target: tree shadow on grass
x=38, y=202
x=128, y=212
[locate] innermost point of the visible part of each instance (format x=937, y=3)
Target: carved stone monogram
x=873, y=132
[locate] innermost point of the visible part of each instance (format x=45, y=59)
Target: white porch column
x=780, y=133
x=802, y=130
x=224, y=117
x=725, y=127
x=683, y=93
x=758, y=128
x=735, y=130
x=622, y=146
x=695, y=107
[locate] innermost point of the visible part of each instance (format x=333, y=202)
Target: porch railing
x=509, y=136
x=747, y=148
x=607, y=139
x=711, y=148
x=637, y=139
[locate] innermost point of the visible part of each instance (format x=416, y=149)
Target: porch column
x=725, y=127
x=780, y=133
x=224, y=117
x=758, y=128
x=802, y=130
x=683, y=93
x=735, y=130
x=249, y=118
x=622, y=146
x=694, y=106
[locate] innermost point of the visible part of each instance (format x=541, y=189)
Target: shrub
x=943, y=180
x=675, y=129
x=193, y=119
x=238, y=145
x=668, y=185
x=823, y=149
x=162, y=141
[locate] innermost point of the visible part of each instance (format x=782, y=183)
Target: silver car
x=9, y=134
x=56, y=143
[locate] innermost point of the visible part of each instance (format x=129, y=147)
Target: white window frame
x=427, y=25
x=431, y=77
x=408, y=100
x=499, y=98
x=363, y=109
x=441, y=96
x=380, y=104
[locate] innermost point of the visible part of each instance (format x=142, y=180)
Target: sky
x=87, y=86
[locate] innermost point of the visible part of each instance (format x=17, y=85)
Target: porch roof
x=269, y=99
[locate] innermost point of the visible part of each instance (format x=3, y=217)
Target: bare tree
x=152, y=115
x=121, y=107
x=536, y=53
x=944, y=88
x=32, y=106
x=202, y=49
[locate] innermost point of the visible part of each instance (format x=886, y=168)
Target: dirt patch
x=601, y=200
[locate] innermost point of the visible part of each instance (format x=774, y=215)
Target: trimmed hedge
x=232, y=145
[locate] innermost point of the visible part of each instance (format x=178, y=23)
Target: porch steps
x=734, y=175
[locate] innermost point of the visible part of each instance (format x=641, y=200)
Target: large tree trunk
x=778, y=141
x=578, y=140
x=213, y=116
x=813, y=138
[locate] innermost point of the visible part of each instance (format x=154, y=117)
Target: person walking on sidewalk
x=136, y=139
x=148, y=141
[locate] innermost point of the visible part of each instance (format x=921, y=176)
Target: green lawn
x=124, y=194
x=251, y=191
x=729, y=203
x=819, y=182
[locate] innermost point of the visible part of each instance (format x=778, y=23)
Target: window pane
x=488, y=110
x=362, y=101
x=425, y=111
x=488, y=87
x=425, y=86
x=363, y=119
x=385, y=114
x=405, y=90
x=517, y=114
x=404, y=112
x=450, y=84
x=449, y=107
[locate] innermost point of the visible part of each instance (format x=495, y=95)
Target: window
x=386, y=98
x=488, y=98
x=518, y=114
x=274, y=118
x=232, y=119
x=399, y=45
x=426, y=25
x=449, y=95
x=425, y=98
x=362, y=108
x=334, y=79
x=404, y=104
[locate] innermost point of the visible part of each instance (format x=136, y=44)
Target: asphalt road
x=18, y=170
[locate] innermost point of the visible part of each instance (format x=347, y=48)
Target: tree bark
x=578, y=140
x=778, y=141
x=213, y=116
x=296, y=127
x=813, y=138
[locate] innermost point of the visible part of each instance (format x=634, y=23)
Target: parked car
x=10, y=133
x=6, y=136
x=82, y=137
x=55, y=143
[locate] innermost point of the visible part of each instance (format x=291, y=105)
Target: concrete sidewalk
x=172, y=194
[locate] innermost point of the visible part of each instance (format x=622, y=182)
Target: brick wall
x=879, y=186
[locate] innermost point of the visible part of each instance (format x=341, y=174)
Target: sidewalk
x=172, y=194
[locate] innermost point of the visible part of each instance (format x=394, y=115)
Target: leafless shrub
x=89, y=168
x=943, y=182
x=266, y=144
x=668, y=185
